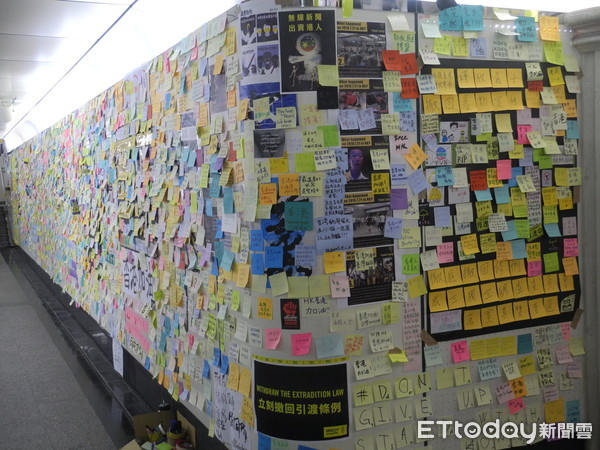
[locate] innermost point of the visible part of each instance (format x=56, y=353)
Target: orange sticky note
x=335, y=262
x=267, y=193
x=549, y=28
x=415, y=156
x=289, y=184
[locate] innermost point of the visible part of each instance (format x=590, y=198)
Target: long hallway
x=50, y=397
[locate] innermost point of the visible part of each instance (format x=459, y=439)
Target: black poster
x=304, y=403
x=290, y=313
x=307, y=39
x=269, y=143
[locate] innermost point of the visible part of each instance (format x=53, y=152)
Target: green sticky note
x=554, y=53
x=545, y=162
x=441, y=46
x=410, y=264
x=522, y=228
x=347, y=8
x=319, y=286
x=551, y=262
x=331, y=135
x=305, y=162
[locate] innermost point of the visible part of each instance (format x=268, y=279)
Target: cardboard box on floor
x=153, y=420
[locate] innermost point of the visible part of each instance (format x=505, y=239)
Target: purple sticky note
x=442, y=216
x=399, y=199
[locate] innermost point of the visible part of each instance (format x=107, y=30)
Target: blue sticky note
x=417, y=182
x=398, y=174
x=264, y=442
x=552, y=229
x=488, y=369
x=298, y=216
x=219, y=229
x=518, y=249
x=511, y=233
x=227, y=261
x=442, y=216
x=219, y=249
x=206, y=370
x=304, y=447
x=162, y=345
x=329, y=346
x=527, y=160
x=573, y=129
x=484, y=195
x=524, y=344
x=228, y=200
x=256, y=241
x=408, y=121
x=217, y=357
x=393, y=227
x=257, y=262
x=185, y=153
x=502, y=195
x=209, y=208
x=215, y=189
x=274, y=257
x=444, y=176
x=305, y=255
x=402, y=104
x=573, y=411
x=191, y=161
x=451, y=19
x=167, y=325
x=526, y=29
x=168, y=100
x=515, y=171
x=224, y=364
x=478, y=48
x=472, y=17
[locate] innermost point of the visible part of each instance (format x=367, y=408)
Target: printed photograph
x=373, y=285
x=359, y=47
x=453, y=132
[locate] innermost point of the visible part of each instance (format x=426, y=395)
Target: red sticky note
x=534, y=268
x=408, y=64
x=409, y=88
x=301, y=343
x=391, y=59
x=537, y=86
x=515, y=405
x=570, y=248
x=478, y=180
x=504, y=169
x=460, y=351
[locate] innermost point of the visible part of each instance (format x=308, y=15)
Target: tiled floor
x=49, y=397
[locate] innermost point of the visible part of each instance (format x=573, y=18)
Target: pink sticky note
x=191, y=340
x=574, y=369
x=515, y=405
x=565, y=328
x=460, y=351
x=534, y=268
x=445, y=252
x=301, y=343
x=570, y=247
x=504, y=169
x=272, y=338
x=550, y=393
x=522, y=131
x=340, y=286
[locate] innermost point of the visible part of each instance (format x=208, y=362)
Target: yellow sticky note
x=515, y=100
x=390, y=123
x=450, y=104
x=432, y=104
x=319, y=286
x=484, y=101
x=298, y=287
x=472, y=320
x=230, y=41
x=555, y=76
x=264, y=308
x=521, y=310
x=437, y=278
x=532, y=99
x=515, y=78
x=335, y=262
x=452, y=274
x=489, y=293
x=456, y=298
x=482, y=78
x=415, y=156
x=499, y=79
x=437, y=301
x=444, y=80
x=549, y=28
x=279, y=284
x=472, y=295
x=469, y=244
x=310, y=115
x=416, y=286
x=576, y=346
x=468, y=103
x=554, y=410
x=396, y=355
x=285, y=117
x=328, y=75
x=500, y=101
x=218, y=67
x=503, y=124
x=489, y=317
x=380, y=183
x=466, y=78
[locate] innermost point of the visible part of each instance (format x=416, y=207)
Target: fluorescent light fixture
x=149, y=28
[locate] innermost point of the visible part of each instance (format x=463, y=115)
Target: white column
x=586, y=25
